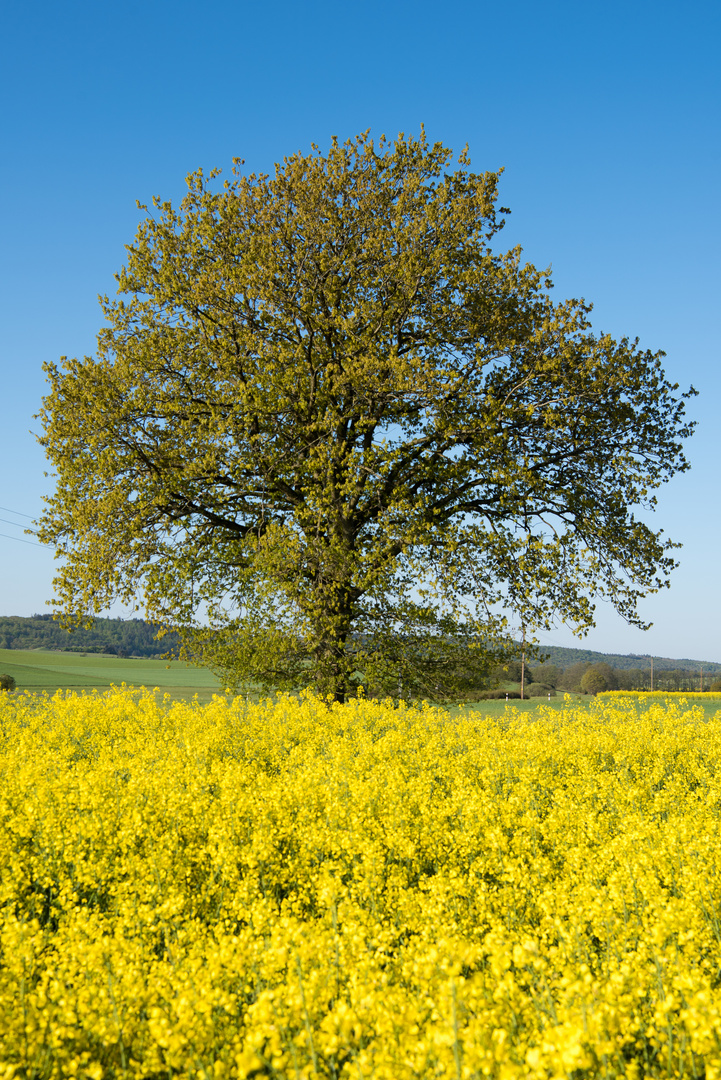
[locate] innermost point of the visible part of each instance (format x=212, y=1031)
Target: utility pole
x=523, y=657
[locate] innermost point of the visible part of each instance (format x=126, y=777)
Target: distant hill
x=118, y=637
x=565, y=657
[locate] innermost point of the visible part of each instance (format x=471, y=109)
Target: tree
x=331, y=433
x=548, y=674
x=630, y=679
x=573, y=674
x=7, y=682
x=597, y=678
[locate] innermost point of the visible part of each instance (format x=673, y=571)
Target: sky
x=604, y=116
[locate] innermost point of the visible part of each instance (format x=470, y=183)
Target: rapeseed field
x=292, y=890
x=663, y=695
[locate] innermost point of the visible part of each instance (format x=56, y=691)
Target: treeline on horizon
x=113, y=637
x=555, y=667
x=586, y=677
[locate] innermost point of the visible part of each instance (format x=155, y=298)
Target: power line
x=19, y=541
x=17, y=513
x=15, y=523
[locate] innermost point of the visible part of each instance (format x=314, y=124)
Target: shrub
x=7, y=682
x=539, y=690
x=496, y=695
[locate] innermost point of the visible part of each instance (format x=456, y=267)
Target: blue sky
x=604, y=115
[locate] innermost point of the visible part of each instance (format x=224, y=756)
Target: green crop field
x=40, y=669
x=565, y=700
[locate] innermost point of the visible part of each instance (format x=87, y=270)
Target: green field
x=41, y=669
x=498, y=708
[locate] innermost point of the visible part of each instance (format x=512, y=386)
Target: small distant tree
x=629, y=679
x=598, y=678
x=572, y=676
x=715, y=685
x=593, y=682
x=548, y=674
x=7, y=682
x=508, y=672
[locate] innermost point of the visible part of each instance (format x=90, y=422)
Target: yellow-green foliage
x=288, y=890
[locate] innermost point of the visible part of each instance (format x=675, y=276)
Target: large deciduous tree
x=332, y=433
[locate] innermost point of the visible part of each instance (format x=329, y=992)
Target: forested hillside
x=565, y=657
x=120, y=637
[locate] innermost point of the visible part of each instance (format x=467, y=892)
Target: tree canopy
x=330, y=433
